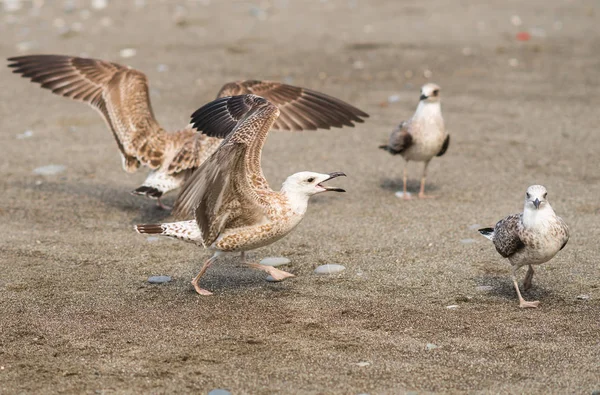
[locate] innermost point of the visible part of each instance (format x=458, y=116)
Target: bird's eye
x=545, y=194
x=435, y=92
x=311, y=179
x=528, y=195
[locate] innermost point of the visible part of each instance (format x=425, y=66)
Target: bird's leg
x=422, y=190
x=278, y=275
x=528, y=278
x=522, y=302
x=196, y=279
x=163, y=206
x=405, y=194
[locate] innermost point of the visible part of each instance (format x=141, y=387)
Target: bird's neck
x=298, y=201
x=540, y=218
x=428, y=110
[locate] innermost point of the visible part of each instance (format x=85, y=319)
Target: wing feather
x=221, y=192
x=119, y=93
x=301, y=108
x=506, y=235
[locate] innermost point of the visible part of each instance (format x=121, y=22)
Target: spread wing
x=221, y=192
x=400, y=139
x=119, y=93
x=506, y=235
x=301, y=108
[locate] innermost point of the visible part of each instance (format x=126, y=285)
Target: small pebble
x=513, y=62
x=12, y=5
x=468, y=241
x=329, y=269
x=358, y=65
x=128, y=53
x=400, y=194
x=258, y=13
x=159, y=279
x=25, y=46
x=275, y=261
x=152, y=239
x=484, y=288
x=363, y=364
x=49, y=170
x=583, y=297
x=219, y=391
x=431, y=346
x=25, y=135
x=523, y=36
x=161, y=68
x=271, y=279
x=516, y=20
x=452, y=306
x=99, y=4
x=427, y=74
x=393, y=98
x=538, y=32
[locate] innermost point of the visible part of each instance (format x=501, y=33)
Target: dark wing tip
x=444, y=146
x=219, y=117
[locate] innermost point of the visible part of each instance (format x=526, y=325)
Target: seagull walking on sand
x=530, y=238
x=120, y=94
x=235, y=210
x=422, y=137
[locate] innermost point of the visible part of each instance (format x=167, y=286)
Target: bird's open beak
x=423, y=97
x=536, y=203
x=331, y=176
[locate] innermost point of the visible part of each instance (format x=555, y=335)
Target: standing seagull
x=422, y=137
x=530, y=238
x=233, y=205
x=120, y=94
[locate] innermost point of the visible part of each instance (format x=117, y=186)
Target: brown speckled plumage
x=233, y=206
x=121, y=95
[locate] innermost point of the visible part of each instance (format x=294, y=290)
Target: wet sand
x=77, y=314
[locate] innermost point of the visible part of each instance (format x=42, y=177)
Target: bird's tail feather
x=183, y=230
x=488, y=233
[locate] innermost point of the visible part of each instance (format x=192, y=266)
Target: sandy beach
x=77, y=314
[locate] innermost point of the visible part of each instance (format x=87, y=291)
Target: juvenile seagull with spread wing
x=529, y=238
x=422, y=137
x=234, y=207
x=120, y=94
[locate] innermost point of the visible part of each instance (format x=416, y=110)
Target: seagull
x=422, y=137
x=234, y=208
x=120, y=94
x=530, y=238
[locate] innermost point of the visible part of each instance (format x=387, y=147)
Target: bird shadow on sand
x=502, y=287
x=413, y=186
x=229, y=276
x=109, y=195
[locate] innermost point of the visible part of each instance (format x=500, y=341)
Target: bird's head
x=430, y=93
x=308, y=183
x=536, y=197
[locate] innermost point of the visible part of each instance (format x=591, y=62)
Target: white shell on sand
x=49, y=170
x=400, y=194
x=219, y=391
x=275, y=261
x=484, y=288
x=452, y=306
x=329, y=269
